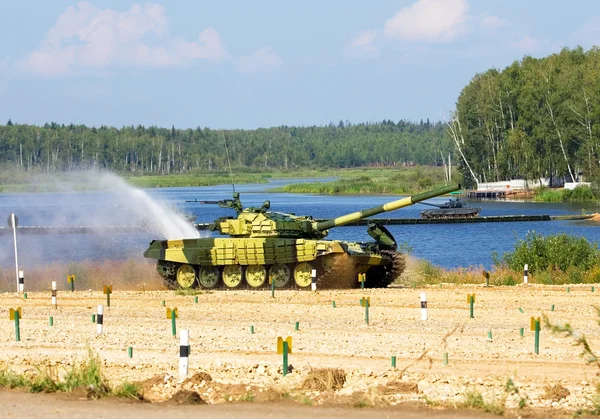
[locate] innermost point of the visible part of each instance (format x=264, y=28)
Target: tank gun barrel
x=390, y=206
x=431, y=205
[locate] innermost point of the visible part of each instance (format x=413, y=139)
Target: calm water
x=447, y=245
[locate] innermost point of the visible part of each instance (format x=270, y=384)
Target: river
x=446, y=245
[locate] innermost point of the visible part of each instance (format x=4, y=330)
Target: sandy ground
x=245, y=366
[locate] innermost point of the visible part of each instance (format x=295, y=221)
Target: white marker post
x=53, y=294
x=525, y=274
x=99, y=319
x=423, y=306
x=21, y=282
x=313, y=285
x=13, y=221
x=184, y=348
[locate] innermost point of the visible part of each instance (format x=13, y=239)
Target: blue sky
x=248, y=64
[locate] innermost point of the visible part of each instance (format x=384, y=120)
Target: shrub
x=557, y=252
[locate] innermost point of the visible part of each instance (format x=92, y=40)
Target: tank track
x=384, y=276
x=341, y=274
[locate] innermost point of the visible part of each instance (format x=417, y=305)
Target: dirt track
x=243, y=364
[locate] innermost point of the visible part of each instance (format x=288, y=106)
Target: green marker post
x=537, y=337
x=521, y=332
x=568, y=290
x=521, y=310
x=367, y=312
x=285, y=358
x=445, y=359
x=272, y=288
x=51, y=321
x=17, y=327
x=93, y=318
x=593, y=289
x=130, y=352
x=162, y=303
x=471, y=306
x=251, y=330
x=394, y=361
x=25, y=295
x=173, y=323
x=333, y=304
x=108, y=299
x=489, y=335
x=297, y=326
x=552, y=307
x=196, y=299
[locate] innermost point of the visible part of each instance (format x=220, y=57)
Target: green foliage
x=558, y=252
x=538, y=117
x=86, y=375
x=391, y=181
x=128, y=390
x=579, y=194
x=164, y=151
x=248, y=397
x=11, y=380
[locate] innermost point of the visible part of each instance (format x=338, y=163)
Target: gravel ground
x=237, y=365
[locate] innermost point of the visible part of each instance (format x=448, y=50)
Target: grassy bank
x=579, y=194
x=376, y=181
x=355, y=180
x=425, y=273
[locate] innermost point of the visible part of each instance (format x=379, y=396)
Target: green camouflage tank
x=261, y=246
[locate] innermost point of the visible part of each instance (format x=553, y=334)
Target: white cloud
x=262, y=59
x=491, y=22
x=362, y=45
x=527, y=44
x=88, y=37
x=429, y=20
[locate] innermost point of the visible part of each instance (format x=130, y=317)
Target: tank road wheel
x=209, y=276
x=256, y=275
x=303, y=274
x=232, y=276
x=186, y=276
x=280, y=274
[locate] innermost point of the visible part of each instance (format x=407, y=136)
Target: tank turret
x=285, y=248
x=454, y=208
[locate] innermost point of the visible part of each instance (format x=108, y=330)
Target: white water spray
x=148, y=211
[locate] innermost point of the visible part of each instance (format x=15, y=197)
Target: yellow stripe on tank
x=404, y=202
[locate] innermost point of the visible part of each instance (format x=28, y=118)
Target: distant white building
x=519, y=184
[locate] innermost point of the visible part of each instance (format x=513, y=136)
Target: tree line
x=154, y=150
x=537, y=118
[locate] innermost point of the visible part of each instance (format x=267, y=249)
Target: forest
x=537, y=118
x=153, y=150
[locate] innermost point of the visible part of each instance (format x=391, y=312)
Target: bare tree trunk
x=456, y=132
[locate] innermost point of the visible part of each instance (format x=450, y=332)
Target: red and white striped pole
x=184, y=352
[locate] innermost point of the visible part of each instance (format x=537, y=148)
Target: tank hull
x=252, y=262
x=451, y=213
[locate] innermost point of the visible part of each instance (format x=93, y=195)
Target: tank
x=261, y=246
x=455, y=208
